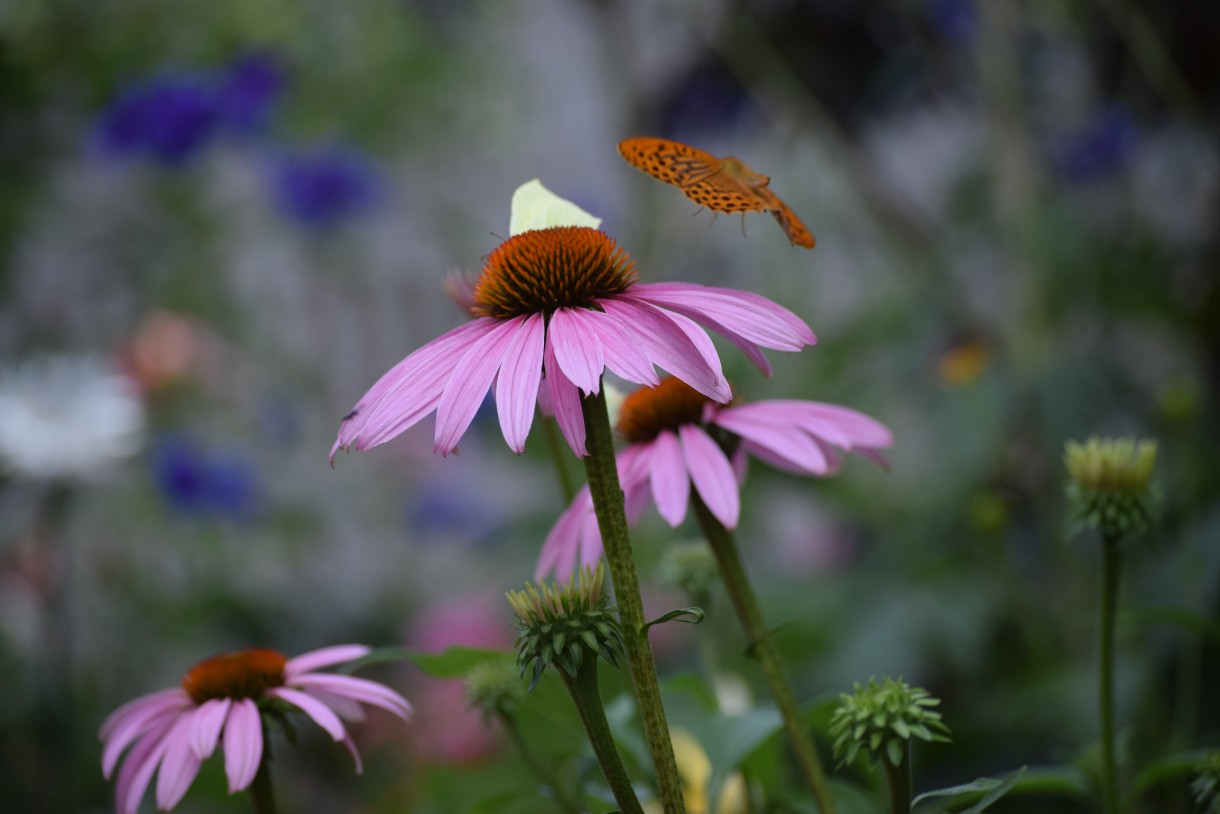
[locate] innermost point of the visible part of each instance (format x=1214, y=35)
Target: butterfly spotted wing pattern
x=720, y=184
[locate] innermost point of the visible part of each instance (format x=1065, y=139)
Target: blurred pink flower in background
x=175, y=730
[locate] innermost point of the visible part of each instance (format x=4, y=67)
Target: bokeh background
x=221, y=221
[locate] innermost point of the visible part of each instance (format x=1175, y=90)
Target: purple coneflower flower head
x=169, y=117
x=555, y=307
x=676, y=437
x=249, y=89
x=220, y=702
x=324, y=186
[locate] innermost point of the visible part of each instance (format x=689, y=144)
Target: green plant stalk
x=558, y=449
x=541, y=769
x=1111, y=564
x=602, y=472
x=899, y=780
x=262, y=794
x=724, y=547
x=585, y=694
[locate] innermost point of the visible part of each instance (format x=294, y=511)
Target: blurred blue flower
x=707, y=99
x=203, y=482
x=324, y=186
x=1098, y=150
x=953, y=19
x=249, y=89
x=169, y=117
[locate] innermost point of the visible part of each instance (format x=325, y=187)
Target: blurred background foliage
x=246, y=209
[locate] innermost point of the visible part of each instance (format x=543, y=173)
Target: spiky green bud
x=882, y=719
x=1110, y=484
x=494, y=687
x=1206, y=785
x=564, y=625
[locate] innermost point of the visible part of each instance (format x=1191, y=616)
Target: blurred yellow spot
x=695, y=770
x=962, y=363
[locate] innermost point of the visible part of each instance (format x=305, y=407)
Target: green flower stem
x=542, y=770
x=585, y=694
x=261, y=792
x=602, y=472
x=1110, y=568
x=899, y=780
x=761, y=647
x=559, y=449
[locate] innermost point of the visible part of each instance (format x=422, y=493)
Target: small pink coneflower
x=553, y=308
x=674, y=439
x=173, y=731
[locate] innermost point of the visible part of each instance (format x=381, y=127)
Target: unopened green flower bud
x=494, y=687
x=690, y=567
x=565, y=625
x=882, y=718
x=1110, y=484
x=1206, y=785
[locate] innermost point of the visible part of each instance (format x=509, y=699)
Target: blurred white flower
x=66, y=417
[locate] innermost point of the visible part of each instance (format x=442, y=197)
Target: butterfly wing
x=669, y=161
x=724, y=193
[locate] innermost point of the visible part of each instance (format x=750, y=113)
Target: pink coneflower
x=554, y=308
x=676, y=436
x=176, y=730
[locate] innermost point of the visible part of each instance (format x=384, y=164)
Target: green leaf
x=991, y=789
x=455, y=662
x=1167, y=769
x=691, y=616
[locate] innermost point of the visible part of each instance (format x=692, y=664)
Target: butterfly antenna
x=743, y=224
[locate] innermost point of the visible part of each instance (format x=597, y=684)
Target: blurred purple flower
x=203, y=482
x=1099, y=149
x=953, y=19
x=249, y=89
x=321, y=187
x=168, y=116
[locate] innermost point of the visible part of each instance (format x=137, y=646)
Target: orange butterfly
x=720, y=184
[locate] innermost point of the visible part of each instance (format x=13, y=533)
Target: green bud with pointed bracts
x=1110, y=487
x=882, y=718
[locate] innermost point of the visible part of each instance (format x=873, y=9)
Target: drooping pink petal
x=842, y=426
x=668, y=478
x=471, y=379
x=354, y=752
x=564, y=398
x=578, y=349
x=408, y=391
x=344, y=707
x=669, y=346
x=138, y=769
x=560, y=549
x=755, y=318
x=324, y=657
x=209, y=719
x=357, y=689
x=623, y=351
x=322, y=715
x=134, y=718
x=711, y=473
x=243, y=742
x=741, y=465
x=518, y=380
x=179, y=765
x=785, y=442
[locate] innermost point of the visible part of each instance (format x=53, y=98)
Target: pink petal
x=623, y=351
x=243, y=742
x=138, y=769
x=670, y=483
x=669, y=346
x=471, y=379
x=578, y=350
x=357, y=689
x=134, y=718
x=180, y=764
x=354, y=752
x=344, y=707
x=209, y=720
x=322, y=715
x=565, y=403
x=518, y=380
x=559, y=550
x=712, y=474
x=325, y=657
x=773, y=442
x=408, y=391
x=755, y=318
x=741, y=465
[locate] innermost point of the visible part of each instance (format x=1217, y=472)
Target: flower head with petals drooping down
x=555, y=308
x=678, y=437
x=173, y=731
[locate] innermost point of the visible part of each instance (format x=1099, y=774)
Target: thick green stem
x=602, y=472
x=899, y=780
x=541, y=769
x=584, y=691
x=724, y=547
x=1111, y=563
x=262, y=794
